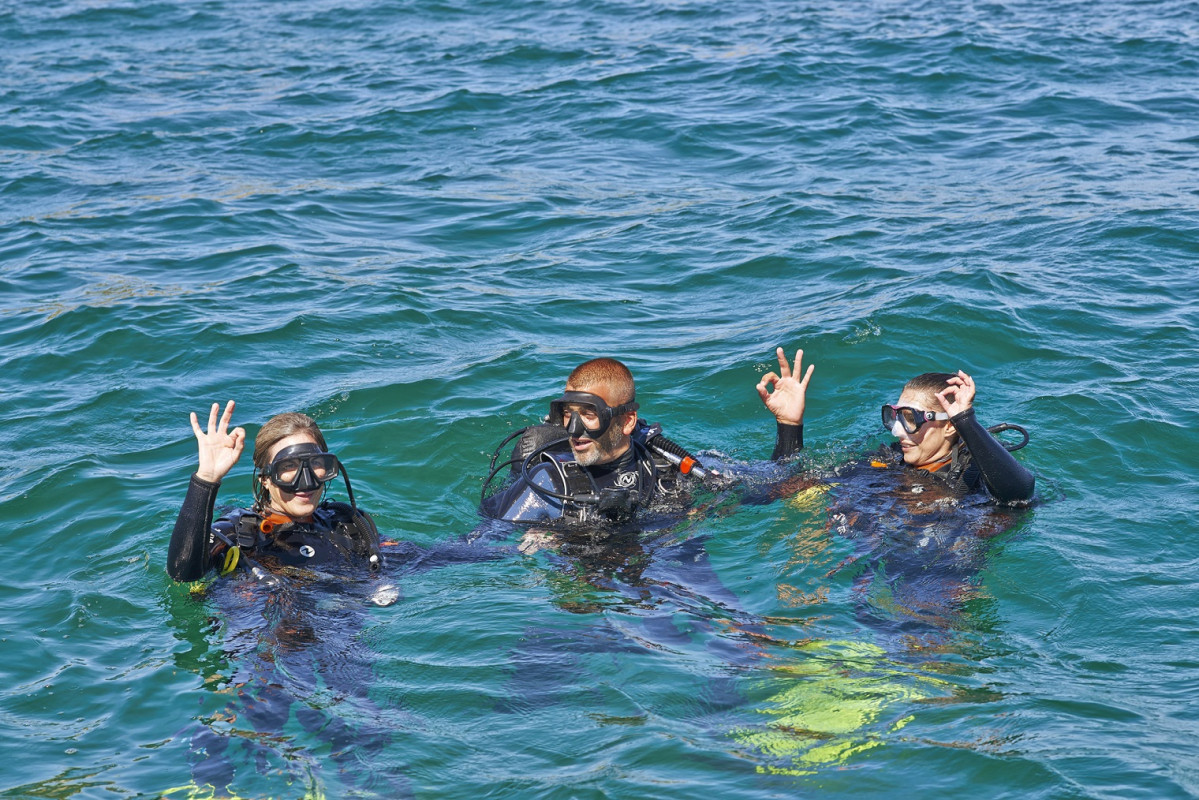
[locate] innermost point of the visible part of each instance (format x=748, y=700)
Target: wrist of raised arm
x=788, y=440
x=963, y=416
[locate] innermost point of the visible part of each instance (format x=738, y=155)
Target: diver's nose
x=575, y=427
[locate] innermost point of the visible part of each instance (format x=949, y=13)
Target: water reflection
x=905, y=558
x=289, y=711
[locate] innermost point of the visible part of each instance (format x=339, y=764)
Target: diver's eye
x=323, y=467
x=285, y=471
x=588, y=416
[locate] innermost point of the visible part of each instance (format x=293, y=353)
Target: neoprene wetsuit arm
x=1006, y=478
x=788, y=441
x=187, y=556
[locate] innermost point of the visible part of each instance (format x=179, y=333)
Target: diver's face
x=933, y=442
x=612, y=443
x=297, y=505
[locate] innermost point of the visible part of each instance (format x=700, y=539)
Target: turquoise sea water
x=412, y=219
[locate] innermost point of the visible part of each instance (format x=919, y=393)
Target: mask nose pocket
x=577, y=429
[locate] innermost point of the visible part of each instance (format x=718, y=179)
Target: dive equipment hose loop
x=1008, y=426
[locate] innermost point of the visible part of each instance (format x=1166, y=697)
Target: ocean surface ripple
x=411, y=220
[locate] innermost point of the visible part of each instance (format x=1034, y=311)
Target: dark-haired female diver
x=936, y=429
x=920, y=512
x=905, y=533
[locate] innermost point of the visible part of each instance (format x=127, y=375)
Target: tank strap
x=614, y=502
x=250, y=528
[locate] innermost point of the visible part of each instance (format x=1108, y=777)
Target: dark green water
x=412, y=219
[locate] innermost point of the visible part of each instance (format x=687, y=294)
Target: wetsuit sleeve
x=788, y=441
x=187, y=557
x=1006, y=478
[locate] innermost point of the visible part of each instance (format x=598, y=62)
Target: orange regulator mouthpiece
x=272, y=521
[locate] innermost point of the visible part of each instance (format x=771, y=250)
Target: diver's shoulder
x=336, y=512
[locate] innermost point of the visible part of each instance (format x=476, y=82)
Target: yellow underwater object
x=841, y=698
x=195, y=791
x=810, y=499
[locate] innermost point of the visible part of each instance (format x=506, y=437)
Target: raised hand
x=219, y=447
x=783, y=394
x=961, y=387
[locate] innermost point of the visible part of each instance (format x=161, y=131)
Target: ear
x=949, y=429
x=259, y=488
x=630, y=424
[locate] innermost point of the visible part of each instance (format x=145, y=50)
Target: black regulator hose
x=673, y=452
x=1008, y=426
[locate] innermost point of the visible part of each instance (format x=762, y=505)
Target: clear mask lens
x=583, y=421
x=323, y=468
x=904, y=419
x=900, y=420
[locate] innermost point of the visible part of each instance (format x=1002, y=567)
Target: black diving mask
x=590, y=416
x=302, y=468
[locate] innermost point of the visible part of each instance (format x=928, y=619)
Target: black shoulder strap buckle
x=247, y=530
x=578, y=484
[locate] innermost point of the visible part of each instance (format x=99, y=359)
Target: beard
x=603, y=448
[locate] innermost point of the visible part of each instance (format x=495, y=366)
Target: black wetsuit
x=920, y=537
x=288, y=636
x=614, y=491
x=337, y=535
x=619, y=488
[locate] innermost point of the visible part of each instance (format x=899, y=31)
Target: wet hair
x=278, y=428
x=927, y=386
x=608, y=372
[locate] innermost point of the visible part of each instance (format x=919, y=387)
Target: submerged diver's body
x=597, y=462
x=308, y=568
x=606, y=499
x=921, y=511
x=901, y=537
